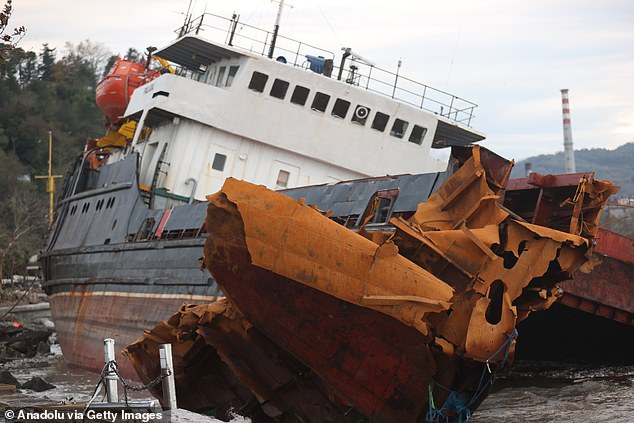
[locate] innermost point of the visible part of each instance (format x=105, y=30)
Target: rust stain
x=457, y=276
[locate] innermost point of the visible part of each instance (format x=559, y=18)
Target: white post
x=111, y=377
x=167, y=371
x=139, y=128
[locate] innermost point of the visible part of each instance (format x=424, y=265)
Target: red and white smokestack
x=569, y=152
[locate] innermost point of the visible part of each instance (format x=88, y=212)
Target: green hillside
x=614, y=165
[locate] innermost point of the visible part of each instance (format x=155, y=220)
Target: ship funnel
x=569, y=152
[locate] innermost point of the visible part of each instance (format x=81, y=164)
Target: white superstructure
x=230, y=112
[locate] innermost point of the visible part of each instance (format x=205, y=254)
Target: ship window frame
x=211, y=74
x=219, y=162
x=279, y=88
x=300, y=95
x=340, y=108
x=416, y=138
x=320, y=102
x=220, y=76
x=231, y=75
x=380, y=121
x=283, y=177
x=399, y=128
x=258, y=81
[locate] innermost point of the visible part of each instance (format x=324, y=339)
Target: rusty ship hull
x=407, y=321
x=113, y=267
x=115, y=279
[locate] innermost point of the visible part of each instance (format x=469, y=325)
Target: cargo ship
x=422, y=276
x=123, y=252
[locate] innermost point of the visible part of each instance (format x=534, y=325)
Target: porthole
x=279, y=88
x=320, y=102
x=380, y=121
x=340, y=109
x=258, y=82
x=398, y=128
x=417, y=135
x=300, y=95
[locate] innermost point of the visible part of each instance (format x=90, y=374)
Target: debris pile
x=325, y=324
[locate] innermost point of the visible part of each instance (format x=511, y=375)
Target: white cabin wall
x=276, y=122
x=192, y=147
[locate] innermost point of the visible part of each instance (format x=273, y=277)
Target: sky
x=510, y=57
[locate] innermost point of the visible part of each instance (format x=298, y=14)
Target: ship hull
x=84, y=319
x=114, y=267
x=118, y=291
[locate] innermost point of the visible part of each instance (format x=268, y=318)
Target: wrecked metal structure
x=596, y=308
x=404, y=318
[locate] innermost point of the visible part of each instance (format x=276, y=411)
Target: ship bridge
x=231, y=37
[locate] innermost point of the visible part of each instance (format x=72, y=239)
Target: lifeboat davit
x=114, y=91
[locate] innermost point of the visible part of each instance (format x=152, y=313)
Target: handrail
x=364, y=76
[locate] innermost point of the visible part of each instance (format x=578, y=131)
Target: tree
x=109, y=65
x=133, y=55
x=94, y=55
x=47, y=60
x=8, y=41
x=22, y=216
x=27, y=69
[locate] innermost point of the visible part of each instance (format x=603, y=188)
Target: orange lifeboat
x=114, y=91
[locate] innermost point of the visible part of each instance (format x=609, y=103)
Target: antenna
x=276, y=28
x=50, y=180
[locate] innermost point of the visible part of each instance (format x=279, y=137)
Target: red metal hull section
x=608, y=291
x=84, y=319
x=372, y=360
x=616, y=246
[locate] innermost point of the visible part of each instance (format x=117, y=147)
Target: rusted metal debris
x=322, y=323
x=559, y=202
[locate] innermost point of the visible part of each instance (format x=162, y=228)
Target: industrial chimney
x=569, y=152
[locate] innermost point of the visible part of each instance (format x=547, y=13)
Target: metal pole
x=276, y=29
x=111, y=377
x=398, y=68
x=51, y=181
x=167, y=372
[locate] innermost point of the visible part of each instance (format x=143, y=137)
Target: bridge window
x=300, y=95
x=399, y=128
x=221, y=75
x=417, y=135
x=340, y=109
x=258, y=81
x=219, y=162
x=320, y=102
x=279, y=88
x=380, y=121
x=233, y=70
x=361, y=114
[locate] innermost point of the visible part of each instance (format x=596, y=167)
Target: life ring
x=361, y=112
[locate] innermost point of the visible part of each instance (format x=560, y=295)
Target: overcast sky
x=510, y=57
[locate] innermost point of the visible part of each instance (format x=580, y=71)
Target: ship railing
x=250, y=38
x=409, y=91
x=355, y=72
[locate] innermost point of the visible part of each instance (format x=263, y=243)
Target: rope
x=456, y=403
x=110, y=368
